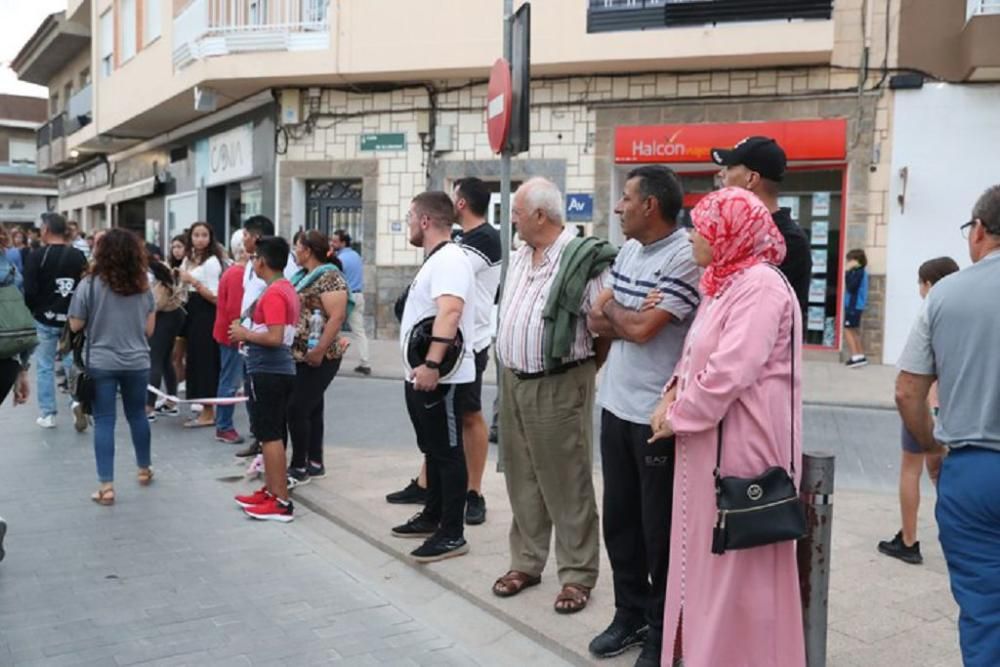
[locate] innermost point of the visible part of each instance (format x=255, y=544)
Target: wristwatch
x=433, y=365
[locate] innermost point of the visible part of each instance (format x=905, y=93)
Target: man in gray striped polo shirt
x=638, y=475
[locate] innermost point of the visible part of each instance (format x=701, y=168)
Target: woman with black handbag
x=735, y=406
x=115, y=308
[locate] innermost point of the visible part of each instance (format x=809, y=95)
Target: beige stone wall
x=572, y=122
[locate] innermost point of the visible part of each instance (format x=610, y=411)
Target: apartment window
x=107, y=43
x=22, y=151
x=84, y=78
x=127, y=28
x=616, y=15
x=152, y=18
x=67, y=93
x=54, y=104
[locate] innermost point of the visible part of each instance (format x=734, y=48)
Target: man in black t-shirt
x=51, y=274
x=758, y=164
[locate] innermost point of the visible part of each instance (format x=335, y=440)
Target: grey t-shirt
x=955, y=339
x=635, y=374
x=116, y=325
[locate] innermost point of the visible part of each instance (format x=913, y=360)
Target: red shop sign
x=801, y=139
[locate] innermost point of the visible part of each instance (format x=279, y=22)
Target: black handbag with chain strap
x=760, y=510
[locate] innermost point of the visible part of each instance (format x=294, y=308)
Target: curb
x=532, y=633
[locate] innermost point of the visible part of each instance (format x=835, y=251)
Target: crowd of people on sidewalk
x=697, y=332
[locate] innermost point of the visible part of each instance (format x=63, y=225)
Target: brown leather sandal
x=513, y=583
x=572, y=598
x=145, y=476
x=104, y=496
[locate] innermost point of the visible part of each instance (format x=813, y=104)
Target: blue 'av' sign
x=579, y=207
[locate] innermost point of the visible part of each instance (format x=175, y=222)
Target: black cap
x=760, y=154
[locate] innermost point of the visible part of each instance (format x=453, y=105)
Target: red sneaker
x=230, y=437
x=272, y=509
x=256, y=498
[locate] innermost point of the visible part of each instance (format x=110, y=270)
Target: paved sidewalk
x=824, y=383
x=883, y=613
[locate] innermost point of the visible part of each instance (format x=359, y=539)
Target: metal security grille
x=333, y=205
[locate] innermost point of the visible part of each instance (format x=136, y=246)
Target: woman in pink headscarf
x=741, y=608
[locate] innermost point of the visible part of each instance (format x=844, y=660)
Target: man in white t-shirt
x=436, y=388
x=481, y=243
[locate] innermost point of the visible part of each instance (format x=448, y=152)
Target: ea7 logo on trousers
x=657, y=461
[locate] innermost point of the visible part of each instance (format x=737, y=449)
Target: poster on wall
x=819, y=260
x=792, y=204
x=820, y=232
x=817, y=318
x=817, y=290
x=829, y=338
x=821, y=204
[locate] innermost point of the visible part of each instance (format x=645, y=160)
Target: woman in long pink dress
x=741, y=608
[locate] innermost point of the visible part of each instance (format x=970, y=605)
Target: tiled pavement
x=174, y=574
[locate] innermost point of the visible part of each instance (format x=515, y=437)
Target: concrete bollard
x=814, y=551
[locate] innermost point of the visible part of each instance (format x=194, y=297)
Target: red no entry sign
x=498, y=102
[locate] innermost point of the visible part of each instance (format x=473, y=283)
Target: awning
x=144, y=188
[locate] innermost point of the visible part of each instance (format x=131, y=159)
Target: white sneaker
x=79, y=417
x=48, y=421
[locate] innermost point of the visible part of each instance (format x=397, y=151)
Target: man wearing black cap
x=758, y=164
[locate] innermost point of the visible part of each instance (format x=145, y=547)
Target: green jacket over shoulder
x=582, y=260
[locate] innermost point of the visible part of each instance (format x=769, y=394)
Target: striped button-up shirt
x=526, y=291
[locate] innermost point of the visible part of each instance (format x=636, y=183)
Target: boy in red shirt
x=227, y=309
x=268, y=342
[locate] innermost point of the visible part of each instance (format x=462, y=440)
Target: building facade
x=24, y=193
x=330, y=115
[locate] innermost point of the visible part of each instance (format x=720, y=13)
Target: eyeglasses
x=966, y=229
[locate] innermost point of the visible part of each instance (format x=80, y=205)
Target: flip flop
x=194, y=423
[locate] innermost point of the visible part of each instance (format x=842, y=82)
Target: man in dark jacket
x=758, y=164
x=51, y=274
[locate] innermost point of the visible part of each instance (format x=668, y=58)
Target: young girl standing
x=904, y=545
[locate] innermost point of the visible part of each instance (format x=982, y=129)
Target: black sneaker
x=440, y=548
x=417, y=527
x=297, y=477
x=3, y=532
x=897, y=549
x=413, y=494
x=619, y=637
x=168, y=410
x=253, y=449
x=475, y=509
x=650, y=655
x=857, y=363
x=363, y=370
x=316, y=470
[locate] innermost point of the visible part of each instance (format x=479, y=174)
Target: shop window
x=333, y=205
x=815, y=199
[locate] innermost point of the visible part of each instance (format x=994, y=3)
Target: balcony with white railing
x=981, y=8
x=211, y=28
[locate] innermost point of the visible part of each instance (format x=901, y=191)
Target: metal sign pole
x=505, y=225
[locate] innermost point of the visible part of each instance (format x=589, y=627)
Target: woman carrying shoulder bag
x=115, y=308
x=322, y=289
x=735, y=406
x=169, y=297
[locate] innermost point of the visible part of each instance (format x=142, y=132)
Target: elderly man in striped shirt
x=546, y=428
